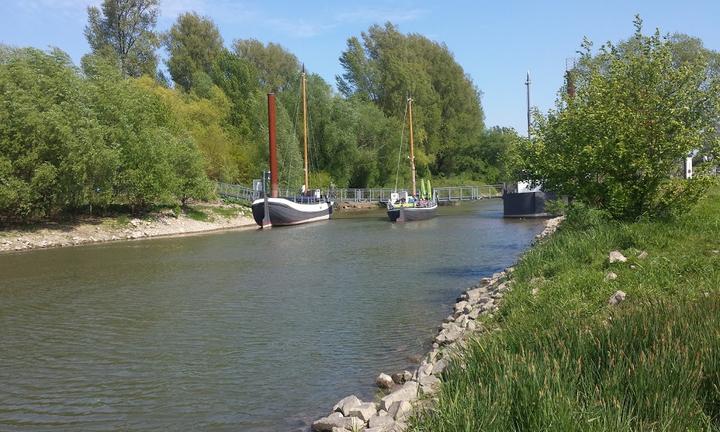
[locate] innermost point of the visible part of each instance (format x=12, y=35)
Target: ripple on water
x=249, y=331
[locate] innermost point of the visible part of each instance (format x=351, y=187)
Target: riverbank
x=406, y=392
x=86, y=230
x=607, y=326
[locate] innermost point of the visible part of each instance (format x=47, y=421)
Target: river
x=239, y=330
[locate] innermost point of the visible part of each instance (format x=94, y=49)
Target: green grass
x=565, y=360
x=197, y=214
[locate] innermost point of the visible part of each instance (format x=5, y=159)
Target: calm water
x=243, y=331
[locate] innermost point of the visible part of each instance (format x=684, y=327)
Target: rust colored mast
x=273, y=146
x=305, y=129
x=412, y=148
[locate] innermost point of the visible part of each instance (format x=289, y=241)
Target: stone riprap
x=407, y=389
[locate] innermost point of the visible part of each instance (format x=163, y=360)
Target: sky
x=495, y=42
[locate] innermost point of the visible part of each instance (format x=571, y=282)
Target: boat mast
x=412, y=148
x=305, y=132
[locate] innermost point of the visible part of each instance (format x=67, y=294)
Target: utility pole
x=527, y=83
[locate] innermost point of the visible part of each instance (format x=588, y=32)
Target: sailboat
x=403, y=207
x=309, y=206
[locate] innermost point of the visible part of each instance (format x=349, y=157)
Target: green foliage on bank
x=565, y=360
x=639, y=110
x=69, y=141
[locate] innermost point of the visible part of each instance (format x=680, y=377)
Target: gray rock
x=462, y=320
x=616, y=256
x=617, y=298
x=460, y=305
x=381, y=423
x=363, y=411
x=439, y=367
x=407, y=392
x=336, y=420
x=407, y=376
x=429, y=384
x=346, y=403
x=611, y=276
x=384, y=381
x=470, y=325
x=399, y=410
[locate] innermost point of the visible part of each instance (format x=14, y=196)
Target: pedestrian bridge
x=379, y=195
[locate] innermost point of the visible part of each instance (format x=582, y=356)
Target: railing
x=468, y=193
x=361, y=195
x=444, y=194
x=238, y=192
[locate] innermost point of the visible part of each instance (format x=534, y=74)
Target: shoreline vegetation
x=603, y=325
x=608, y=326
x=83, y=230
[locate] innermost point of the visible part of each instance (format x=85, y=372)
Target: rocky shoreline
x=405, y=391
x=102, y=230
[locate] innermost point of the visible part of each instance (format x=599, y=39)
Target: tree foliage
x=390, y=66
x=638, y=112
x=69, y=141
x=123, y=30
x=193, y=44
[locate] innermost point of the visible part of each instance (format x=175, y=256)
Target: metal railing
x=468, y=193
x=444, y=194
x=238, y=192
x=361, y=195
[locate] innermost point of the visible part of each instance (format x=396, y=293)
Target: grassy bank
x=565, y=360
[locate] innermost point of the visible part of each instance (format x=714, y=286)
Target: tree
x=636, y=114
x=194, y=44
x=276, y=67
x=123, y=30
x=390, y=66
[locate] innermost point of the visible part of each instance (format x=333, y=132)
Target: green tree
x=276, y=67
x=636, y=115
x=194, y=44
x=123, y=30
x=390, y=66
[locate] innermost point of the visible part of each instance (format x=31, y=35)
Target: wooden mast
x=305, y=132
x=412, y=148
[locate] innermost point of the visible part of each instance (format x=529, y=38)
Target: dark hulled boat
x=409, y=214
x=291, y=211
x=403, y=207
x=273, y=210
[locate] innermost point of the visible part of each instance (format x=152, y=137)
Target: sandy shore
x=88, y=230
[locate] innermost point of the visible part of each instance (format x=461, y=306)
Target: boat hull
x=409, y=214
x=285, y=212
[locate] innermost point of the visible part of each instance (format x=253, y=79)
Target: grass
x=198, y=215
x=565, y=360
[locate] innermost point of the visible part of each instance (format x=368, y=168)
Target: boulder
x=407, y=392
x=439, y=367
x=363, y=411
x=616, y=256
x=336, y=420
x=346, y=404
x=399, y=410
x=428, y=384
x=384, y=381
x=381, y=423
x=617, y=298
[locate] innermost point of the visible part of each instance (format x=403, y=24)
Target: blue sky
x=495, y=42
